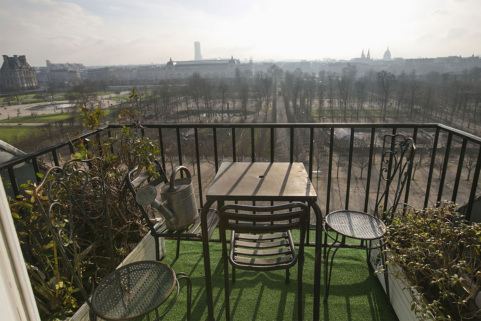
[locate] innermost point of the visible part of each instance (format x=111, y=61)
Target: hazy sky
x=119, y=32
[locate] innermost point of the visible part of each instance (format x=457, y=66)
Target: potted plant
x=438, y=255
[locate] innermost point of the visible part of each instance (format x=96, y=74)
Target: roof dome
x=387, y=55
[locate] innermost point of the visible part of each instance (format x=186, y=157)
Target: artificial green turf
x=354, y=295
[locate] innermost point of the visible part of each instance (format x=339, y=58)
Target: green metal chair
x=261, y=240
x=394, y=174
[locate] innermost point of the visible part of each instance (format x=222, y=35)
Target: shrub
x=56, y=294
x=439, y=254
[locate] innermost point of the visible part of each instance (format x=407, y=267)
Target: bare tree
x=419, y=161
x=223, y=90
x=83, y=94
x=52, y=90
x=165, y=98
x=401, y=92
x=414, y=89
x=207, y=95
x=361, y=94
x=344, y=84
x=439, y=160
x=195, y=90
x=385, y=82
x=361, y=159
x=470, y=161
x=310, y=87
x=244, y=97
x=330, y=92
x=428, y=102
x=320, y=99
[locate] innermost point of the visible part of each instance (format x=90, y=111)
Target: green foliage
x=55, y=292
x=91, y=117
x=53, y=289
x=439, y=253
x=137, y=150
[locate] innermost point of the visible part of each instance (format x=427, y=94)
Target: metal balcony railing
x=340, y=158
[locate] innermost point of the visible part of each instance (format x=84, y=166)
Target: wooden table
x=240, y=181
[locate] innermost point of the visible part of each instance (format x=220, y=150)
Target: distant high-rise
x=198, y=56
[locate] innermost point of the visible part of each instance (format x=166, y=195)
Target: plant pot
x=399, y=293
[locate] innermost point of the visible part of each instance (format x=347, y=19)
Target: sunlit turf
x=355, y=292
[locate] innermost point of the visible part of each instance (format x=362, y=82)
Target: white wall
x=16, y=296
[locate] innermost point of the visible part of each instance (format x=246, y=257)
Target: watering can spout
x=146, y=196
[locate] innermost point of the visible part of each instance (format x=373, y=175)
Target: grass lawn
x=355, y=293
x=44, y=118
x=10, y=134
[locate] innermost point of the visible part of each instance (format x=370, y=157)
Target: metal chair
x=261, y=240
x=72, y=201
x=395, y=173
x=158, y=227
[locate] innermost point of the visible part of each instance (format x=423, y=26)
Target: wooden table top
x=261, y=181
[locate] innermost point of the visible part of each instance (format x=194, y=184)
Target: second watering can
x=179, y=198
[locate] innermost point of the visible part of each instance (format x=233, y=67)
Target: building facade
x=218, y=68
x=17, y=75
x=61, y=74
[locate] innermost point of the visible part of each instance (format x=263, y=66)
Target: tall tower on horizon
x=198, y=56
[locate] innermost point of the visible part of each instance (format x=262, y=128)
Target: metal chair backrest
x=72, y=200
x=395, y=173
x=136, y=179
x=259, y=220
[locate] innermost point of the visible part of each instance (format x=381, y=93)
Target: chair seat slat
x=263, y=261
x=277, y=251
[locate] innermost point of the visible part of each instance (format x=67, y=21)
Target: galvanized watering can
x=178, y=207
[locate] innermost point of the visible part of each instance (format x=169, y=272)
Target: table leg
x=207, y=272
x=317, y=263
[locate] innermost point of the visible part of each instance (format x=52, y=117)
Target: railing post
x=474, y=187
x=199, y=175
x=460, y=170
x=431, y=168
x=445, y=166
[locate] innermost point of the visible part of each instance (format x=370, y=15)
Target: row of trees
x=201, y=98
x=380, y=96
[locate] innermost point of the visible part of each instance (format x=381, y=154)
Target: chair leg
x=287, y=275
x=157, y=248
x=92, y=315
x=189, y=293
x=233, y=274
x=328, y=270
x=368, y=252
x=300, y=267
x=226, y=285
x=178, y=248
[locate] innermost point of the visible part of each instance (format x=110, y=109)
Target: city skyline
x=143, y=32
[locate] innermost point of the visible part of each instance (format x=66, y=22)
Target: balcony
x=342, y=165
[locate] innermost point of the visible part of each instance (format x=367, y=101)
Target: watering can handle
x=176, y=170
